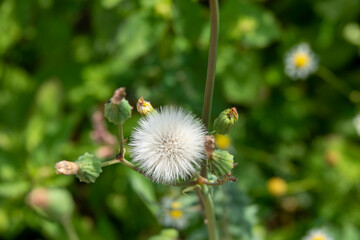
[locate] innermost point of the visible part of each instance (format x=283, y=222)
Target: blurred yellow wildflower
x=317, y=234
x=276, y=186
x=318, y=237
x=301, y=59
x=175, y=205
x=174, y=215
x=244, y=25
x=163, y=8
x=300, y=62
x=222, y=141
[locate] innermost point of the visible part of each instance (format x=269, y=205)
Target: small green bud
x=53, y=203
x=144, y=107
x=89, y=168
x=221, y=163
x=226, y=120
x=118, y=109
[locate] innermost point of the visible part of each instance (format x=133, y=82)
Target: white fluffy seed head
x=300, y=62
x=168, y=145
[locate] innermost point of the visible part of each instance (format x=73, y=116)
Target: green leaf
x=145, y=190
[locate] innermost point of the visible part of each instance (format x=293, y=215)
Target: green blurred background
x=61, y=60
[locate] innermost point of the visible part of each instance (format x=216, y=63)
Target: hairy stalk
x=121, y=136
x=203, y=192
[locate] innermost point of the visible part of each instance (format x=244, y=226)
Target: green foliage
x=61, y=60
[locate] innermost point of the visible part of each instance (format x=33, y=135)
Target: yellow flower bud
x=144, y=107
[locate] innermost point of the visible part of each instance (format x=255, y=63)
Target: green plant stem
x=202, y=181
x=203, y=191
x=185, y=184
x=302, y=185
x=207, y=203
x=110, y=162
x=119, y=160
x=334, y=81
x=121, y=136
x=69, y=229
x=211, y=69
x=220, y=182
x=122, y=161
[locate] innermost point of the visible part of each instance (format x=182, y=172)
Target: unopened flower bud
x=144, y=107
x=66, y=168
x=226, y=120
x=38, y=197
x=89, y=168
x=209, y=145
x=53, y=203
x=221, y=163
x=118, y=109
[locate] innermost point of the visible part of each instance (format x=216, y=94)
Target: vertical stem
x=121, y=136
x=210, y=78
x=69, y=229
x=207, y=203
x=211, y=69
x=203, y=193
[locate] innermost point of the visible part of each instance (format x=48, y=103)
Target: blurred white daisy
x=300, y=62
x=168, y=145
x=357, y=123
x=317, y=234
x=173, y=214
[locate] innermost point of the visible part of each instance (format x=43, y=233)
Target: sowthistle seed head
x=168, y=145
